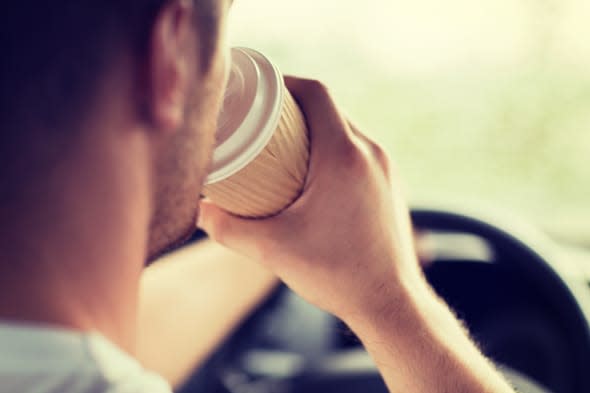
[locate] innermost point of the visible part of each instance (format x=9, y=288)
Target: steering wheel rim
x=531, y=253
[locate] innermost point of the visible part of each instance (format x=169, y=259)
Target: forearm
x=190, y=301
x=420, y=347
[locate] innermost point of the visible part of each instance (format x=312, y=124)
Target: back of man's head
x=54, y=55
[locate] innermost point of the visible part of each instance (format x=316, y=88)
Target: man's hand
x=346, y=245
x=348, y=236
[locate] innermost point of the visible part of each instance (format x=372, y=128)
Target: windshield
x=482, y=102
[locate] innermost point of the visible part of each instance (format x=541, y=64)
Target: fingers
x=327, y=126
x=332, y=135
x=241, y=235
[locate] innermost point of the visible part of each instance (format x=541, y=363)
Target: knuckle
x=378, y=151
x=316, y=85
x=354, y=157
x=317, y=88
x=392, y=170
x=381, y=156
x=364, y=157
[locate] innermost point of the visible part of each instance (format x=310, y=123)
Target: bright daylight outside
x=482, y=103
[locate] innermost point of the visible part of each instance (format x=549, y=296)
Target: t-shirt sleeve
x=142, y=383
x=121, y=373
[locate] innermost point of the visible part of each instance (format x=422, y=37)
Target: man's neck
x=71, y=253
x=41, y=298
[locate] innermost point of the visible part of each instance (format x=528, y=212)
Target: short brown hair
x=54, y=54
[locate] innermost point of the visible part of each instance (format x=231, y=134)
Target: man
x=108, y=113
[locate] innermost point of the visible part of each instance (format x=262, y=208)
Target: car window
x=485, y=103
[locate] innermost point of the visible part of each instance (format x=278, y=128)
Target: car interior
x=527, y=313
x=484, y=107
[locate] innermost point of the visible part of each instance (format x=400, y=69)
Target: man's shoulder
x=47, y=360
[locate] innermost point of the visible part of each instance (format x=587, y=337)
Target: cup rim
x=257, y=129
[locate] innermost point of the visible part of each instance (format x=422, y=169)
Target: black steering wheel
x=554, y=318
x=531, y=318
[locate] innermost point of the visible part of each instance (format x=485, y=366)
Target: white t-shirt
x=37, y=359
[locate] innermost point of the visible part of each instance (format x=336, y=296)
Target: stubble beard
x=179, y=180
x=182, y=172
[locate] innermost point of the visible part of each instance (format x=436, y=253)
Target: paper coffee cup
x=261, y=159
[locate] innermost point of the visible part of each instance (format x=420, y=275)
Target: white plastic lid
x=250, y=114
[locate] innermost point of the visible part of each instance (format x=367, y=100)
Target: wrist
x=397, y=302
x=420, y=344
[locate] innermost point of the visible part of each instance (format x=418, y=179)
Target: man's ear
x=172, y=48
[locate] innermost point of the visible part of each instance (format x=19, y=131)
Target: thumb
x=246, y=236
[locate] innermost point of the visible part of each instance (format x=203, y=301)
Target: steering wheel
x=529, y=258
x=524, y=308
